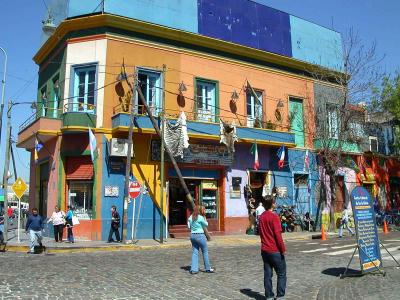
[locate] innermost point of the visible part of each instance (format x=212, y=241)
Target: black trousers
x=58, y=232
x=112, y=231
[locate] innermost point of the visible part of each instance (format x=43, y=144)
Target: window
x=356, y=129
x=206, y=101
x=43, y=101
x=150, y=85
x=333, y=123
x=373, y=144
x=254, y=107
x=56, y=98
x=81, y=198
x=84, y=89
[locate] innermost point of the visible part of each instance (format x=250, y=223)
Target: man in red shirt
x=272, y=250
x=10, y=214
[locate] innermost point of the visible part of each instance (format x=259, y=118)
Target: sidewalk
x=94, y=246
x=366, y=287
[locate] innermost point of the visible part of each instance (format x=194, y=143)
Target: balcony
x=44, y=123
x=79, y=115
x=334, y=144
x=205, y=130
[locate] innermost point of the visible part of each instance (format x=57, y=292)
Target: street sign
x=19, y=187
x=134, y=189
x=366, y=230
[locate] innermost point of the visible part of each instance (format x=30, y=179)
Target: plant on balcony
x=257, y=123
x=269, y=125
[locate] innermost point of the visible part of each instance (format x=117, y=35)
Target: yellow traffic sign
x=19, y=187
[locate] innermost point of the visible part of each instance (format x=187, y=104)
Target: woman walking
x=196, y=224
x=69, y=224
x=58, y=220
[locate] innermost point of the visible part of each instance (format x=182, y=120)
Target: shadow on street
x=251, y=294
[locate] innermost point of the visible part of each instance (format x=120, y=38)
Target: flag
x=38, y=147
x=306, y=161
x=254, y=151
x=281, y=156
x=92, y=144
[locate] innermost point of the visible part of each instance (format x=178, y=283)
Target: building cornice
x=107, y=20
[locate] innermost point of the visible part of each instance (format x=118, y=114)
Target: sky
x=20, y=36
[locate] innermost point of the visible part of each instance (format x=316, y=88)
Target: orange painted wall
x=230, y=76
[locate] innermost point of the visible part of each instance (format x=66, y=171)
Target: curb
x=225, y=241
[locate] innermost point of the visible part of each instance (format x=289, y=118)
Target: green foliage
x=387, y=97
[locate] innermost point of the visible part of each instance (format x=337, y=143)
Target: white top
x=260, y=209
x=345, y=215
x=57, y=218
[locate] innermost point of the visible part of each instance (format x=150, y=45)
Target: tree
x=386, y=99
x=339, y=118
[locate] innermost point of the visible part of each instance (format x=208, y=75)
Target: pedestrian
x=10, y=214
x=196, y=224
x=58, y=220
x=34, y=225
x=69, y=224
x=272, y=250
x=259, y=211
x=1, y=227
x=345, y=223
x=115, y=221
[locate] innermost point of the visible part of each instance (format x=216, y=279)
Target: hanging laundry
x=176, y=136
x=228, y=135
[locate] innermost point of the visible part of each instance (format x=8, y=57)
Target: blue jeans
x=277, y=262
x=199, y=241
x=35, y=235
x=345, y=224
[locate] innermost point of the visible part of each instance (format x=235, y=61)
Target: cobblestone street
x=162, y=274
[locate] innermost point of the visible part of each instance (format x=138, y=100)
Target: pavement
x=100, y=246
x=313, y=269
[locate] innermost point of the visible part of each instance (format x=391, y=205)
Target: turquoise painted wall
x=179, y=14
x=316, y=44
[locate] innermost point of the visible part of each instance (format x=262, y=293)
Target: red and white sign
x=134, y=189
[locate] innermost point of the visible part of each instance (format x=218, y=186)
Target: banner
x=366, y=230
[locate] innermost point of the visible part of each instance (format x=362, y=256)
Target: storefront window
x=81, y=198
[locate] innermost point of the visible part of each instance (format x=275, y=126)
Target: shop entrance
x=204, y=192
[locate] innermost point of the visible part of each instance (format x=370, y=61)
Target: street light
x=3, y=90
x=7, y=163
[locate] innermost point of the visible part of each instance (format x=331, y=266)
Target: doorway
x=178, y=208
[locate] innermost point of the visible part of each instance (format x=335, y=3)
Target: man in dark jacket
x=115, y=221
x=272, y=250
x=34, y=225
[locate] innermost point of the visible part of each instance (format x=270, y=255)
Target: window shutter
x=79, y=168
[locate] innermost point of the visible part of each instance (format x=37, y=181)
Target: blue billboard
x=366, y=230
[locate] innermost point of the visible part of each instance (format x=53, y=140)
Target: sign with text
x=366, y=230
x=19, y=187
x=201, y=154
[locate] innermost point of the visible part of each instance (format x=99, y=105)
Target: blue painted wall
x=212, y=129
x=149, y=214
x=239, y=21
x=247, y=23
x=316, y=44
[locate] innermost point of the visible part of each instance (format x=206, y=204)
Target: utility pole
x=3, y=90
x=128, y=161
x=162, y=171
x=6, y=167
x=189, y=198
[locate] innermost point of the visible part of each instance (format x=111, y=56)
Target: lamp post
x=3, y=90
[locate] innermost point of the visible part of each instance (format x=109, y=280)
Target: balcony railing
x=202, y=116
x=42, y=112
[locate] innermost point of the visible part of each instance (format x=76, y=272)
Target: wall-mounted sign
x=201, y=154
x=282, y=191
x=111, y=191
x=209, y=185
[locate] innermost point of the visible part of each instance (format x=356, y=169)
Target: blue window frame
x=206, y=101
x=150, y=84
x=84, y=89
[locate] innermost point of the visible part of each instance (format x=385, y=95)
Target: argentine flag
x=92, y=144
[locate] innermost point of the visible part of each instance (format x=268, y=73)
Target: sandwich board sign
x=366, y=230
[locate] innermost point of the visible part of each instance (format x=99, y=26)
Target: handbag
x=75, y=221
